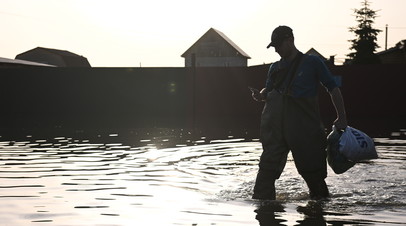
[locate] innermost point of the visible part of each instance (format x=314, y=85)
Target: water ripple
x=52, y=180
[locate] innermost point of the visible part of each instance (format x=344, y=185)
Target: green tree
x=364, y=45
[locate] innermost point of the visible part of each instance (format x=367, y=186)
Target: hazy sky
x=154, y=33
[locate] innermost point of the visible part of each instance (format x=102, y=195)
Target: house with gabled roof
x=394, y=55
x=59, y=58
x=314, y=52
x=215, y=49
x=329, y=61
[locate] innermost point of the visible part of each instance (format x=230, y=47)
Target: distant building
x=11, y=63
x=59, y=58
x=394, y=55
x=214, y=49
x=314, y=52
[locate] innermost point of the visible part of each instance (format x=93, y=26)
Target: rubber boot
x=317, y=189
x=264, y=188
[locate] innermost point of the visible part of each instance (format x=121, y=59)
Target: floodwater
x=167, y=180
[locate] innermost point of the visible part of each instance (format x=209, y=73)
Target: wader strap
x=285, y=75
x=292, y=73
x=278, y=76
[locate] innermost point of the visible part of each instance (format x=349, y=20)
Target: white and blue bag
x=356, y=146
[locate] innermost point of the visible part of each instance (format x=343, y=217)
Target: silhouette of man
x=290, y=120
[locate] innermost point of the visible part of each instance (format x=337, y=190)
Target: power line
x=12, y=14
x=397, y=27
x=18, y=15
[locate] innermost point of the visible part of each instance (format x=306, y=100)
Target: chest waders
x=291, y=124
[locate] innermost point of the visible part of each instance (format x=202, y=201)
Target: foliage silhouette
x=364, y=45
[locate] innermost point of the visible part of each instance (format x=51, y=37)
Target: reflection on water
x=160, y=180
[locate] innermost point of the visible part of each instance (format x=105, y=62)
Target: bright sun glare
x=159, y=16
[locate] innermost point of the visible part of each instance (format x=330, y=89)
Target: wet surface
x=160, y=180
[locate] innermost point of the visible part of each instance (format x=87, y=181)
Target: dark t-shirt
x=309, y=74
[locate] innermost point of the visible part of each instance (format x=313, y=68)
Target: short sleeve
x=324, y=75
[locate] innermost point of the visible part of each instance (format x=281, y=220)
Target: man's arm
x=338, y=102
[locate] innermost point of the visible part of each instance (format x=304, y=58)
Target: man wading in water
x=291, y=120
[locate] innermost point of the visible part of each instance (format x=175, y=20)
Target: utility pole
x=386, y=37
x=193, y=64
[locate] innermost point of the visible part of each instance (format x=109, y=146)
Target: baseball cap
x=279, y=34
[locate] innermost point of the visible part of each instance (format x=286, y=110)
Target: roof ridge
x=235, y=46
x=224, y=37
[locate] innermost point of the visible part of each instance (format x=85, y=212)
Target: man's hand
x=257, y=95
x=340, y=123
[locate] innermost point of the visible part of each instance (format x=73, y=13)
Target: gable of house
x=314, y=52
x=214, y=48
